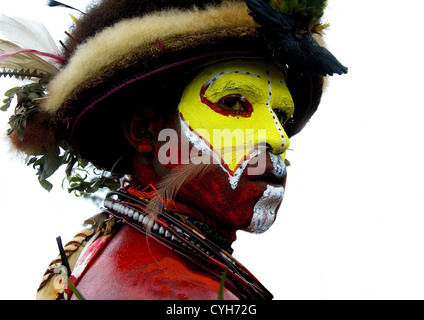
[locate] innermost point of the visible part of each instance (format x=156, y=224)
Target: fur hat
x=142, y=52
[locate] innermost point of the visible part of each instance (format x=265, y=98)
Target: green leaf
x=311, y=10
x=5, y=107
x=33, y=95
x=20, y=134
x=8, y=101
x=76, y=179
x=82, y=163
x=31, y=161
x=45, y=79
x=222, y=285
x=35, y=87
x=11, y=92
x=46, y=185
x=92, y=190
x=50, y=166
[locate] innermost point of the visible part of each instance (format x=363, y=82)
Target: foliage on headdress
x=27, y=104
x=22, y=63
x=82, y=177
x=309, y=11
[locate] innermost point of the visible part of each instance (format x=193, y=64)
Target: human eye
x=281, y=115
x=234, y=103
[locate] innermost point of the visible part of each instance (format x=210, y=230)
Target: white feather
x=27, y=34
x=26, y=61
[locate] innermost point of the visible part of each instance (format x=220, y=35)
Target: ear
x=138, y=133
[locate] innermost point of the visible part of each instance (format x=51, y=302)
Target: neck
x=220, y=236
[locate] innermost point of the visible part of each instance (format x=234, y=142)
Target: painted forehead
x=241, y=76
x=251, y=92
x=253, y=67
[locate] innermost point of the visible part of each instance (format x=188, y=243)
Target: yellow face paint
x=234, y=106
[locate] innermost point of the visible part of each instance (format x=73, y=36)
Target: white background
x=351, y=224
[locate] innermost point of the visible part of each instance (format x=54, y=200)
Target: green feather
x=311, y=10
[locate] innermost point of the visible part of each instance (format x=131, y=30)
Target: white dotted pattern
x=219, y=75
x=274, y=117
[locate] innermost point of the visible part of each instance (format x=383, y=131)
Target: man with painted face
x=194, y=102
x=226, y=112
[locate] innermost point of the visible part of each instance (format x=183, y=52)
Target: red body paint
x=134, y=267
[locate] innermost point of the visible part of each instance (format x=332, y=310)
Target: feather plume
x=27, y=34
x=27, y=49
x=14, y=59
x=289, y=35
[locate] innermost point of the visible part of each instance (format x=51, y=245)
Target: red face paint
x=224, y=110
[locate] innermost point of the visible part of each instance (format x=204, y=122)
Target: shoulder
x=52, y=286
x=135, y=266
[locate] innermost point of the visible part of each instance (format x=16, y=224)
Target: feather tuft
x=197, y=166
x=288, y=30
x=168, y=187
x=39, y=137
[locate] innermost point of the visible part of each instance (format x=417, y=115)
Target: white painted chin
x=264, y=212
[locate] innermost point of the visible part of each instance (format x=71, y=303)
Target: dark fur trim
x=109, y=12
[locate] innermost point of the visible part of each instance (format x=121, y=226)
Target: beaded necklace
x=174, y=231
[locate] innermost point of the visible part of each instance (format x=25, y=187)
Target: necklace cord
x=194, y=244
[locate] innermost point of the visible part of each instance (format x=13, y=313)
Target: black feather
x=290, y=42
x=52, y=3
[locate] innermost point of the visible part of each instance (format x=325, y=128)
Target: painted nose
x=274, y=136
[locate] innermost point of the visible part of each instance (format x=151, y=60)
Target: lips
x=273, y=173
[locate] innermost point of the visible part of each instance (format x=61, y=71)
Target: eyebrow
x=244, y=88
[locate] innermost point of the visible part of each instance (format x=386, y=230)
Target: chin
x=265, y=210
